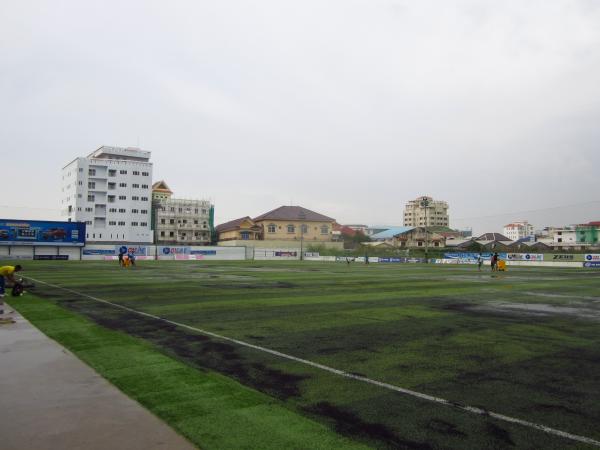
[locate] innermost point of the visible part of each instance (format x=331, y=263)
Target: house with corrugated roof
x=410, y=237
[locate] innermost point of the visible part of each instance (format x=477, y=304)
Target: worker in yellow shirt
x=7, y=273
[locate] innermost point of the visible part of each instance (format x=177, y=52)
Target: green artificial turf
x=525, y=343
x=212, y=411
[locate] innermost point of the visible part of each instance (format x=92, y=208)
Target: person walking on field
x=7, y=273
x=493, y=261
x=479, y=262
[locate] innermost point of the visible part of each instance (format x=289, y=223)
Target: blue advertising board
x=594, y=264
x=37, y=232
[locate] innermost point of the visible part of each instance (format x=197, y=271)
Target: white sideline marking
x=391, y=387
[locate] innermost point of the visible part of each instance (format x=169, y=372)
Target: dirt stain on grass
x=197, y=350
x=499, y=434
x=441, y=426
x=349, y=423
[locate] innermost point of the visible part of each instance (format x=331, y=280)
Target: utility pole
x=425, y=204
x=302, y=217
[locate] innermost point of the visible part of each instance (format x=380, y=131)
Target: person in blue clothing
x=131, y=256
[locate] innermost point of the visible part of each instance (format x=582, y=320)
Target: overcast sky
x=347, y=107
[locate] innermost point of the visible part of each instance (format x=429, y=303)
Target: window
x=123, y=172
x=162, y=234
x=122, y=197
x=92, y=172
x=204, y=224
x=144, y=211
x=112, y=173
x=134, y=211
x=145, y=174
x=80, y=183
x=112, y=222
x=112, y=186
x=203, y=211
x=89, y=209
x=271, y=228
x=180, y=210
x=172, y=221
x=122, y=210
x=121, y=224
x=81, y=169
x=88, y=222
x=91, y=198
x=291, y=228
x=195, y=222
x=143, y=224
x=171, y=234
x=134, y=197
x=135, y=185
x=162, y=221
x=304, y=228
x=134, y=224
x=145, y=186
x=245, y=235
x=135, y=172
x=113, y=210
x=195, y=210
x=144, y=199
x=122, y=184
x=324, y=229
x=91, y=185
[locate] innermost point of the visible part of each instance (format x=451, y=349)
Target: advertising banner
x=286, y=253
x=594, y=264
x=525, y=257
x=592, y=257
x=36, y=232
x=51, y=257
x=173, y=251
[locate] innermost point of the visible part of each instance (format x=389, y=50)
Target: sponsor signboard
x=592, y=257
x=286, y=253
x=99, y=251
x=203, y=252
x=173, y=251
x=472, y=256
x=594, y=264
x=561, y=257
x=37, y=232
x=525, y=257
x=51, y=257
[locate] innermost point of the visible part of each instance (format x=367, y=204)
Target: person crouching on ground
x=7, y=273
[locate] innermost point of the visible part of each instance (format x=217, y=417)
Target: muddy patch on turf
x=193, y=348
x=443, y=427
x=348, y=423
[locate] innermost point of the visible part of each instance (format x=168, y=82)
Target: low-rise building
x=180, y=221
x=410, y=237
x=518, y=230
x=287, y=226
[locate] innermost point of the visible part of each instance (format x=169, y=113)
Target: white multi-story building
x=111, y=191
x=425, y=211
x=518, y=230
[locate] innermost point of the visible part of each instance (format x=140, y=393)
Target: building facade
x=295, y=223
x=518, y=230
x=286, y=223
x=110, y=190
x=180, y=221
x=425, y=211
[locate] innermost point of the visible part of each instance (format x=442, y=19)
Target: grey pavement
x=50, y=400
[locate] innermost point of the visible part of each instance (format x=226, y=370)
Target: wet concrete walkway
x=50, y=400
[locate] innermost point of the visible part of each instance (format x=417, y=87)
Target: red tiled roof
x=294, y=213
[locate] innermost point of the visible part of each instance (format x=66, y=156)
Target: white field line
x=391, y=387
